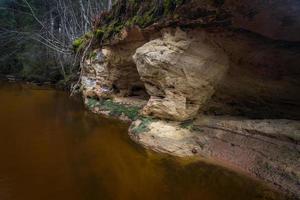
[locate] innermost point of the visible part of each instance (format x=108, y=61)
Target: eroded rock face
x=110, y=71
x=263, y=79
x=180, y=72
x=276, y=19
x=234, y=58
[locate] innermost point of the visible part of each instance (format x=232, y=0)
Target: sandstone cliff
x=217, y=79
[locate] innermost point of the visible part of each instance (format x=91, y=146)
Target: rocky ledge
x=266, y=149
x=211, y=82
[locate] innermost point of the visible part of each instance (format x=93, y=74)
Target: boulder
x=180, y=72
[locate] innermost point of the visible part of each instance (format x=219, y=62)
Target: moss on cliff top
x=139, y=12
x=81, y=42
x=126, y=13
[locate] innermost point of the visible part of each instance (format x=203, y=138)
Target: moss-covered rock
x=133, y=12
x=113, y=108
x=81, y=42
x=159, y=13
x=142, y=125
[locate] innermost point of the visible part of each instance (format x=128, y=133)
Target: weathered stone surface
x=236, y=58
x=276, y=19
x=110, y=71
x=180, y=73
x=165, y=137
x=263, y=79
x=266, y=149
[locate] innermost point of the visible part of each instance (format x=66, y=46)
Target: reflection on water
x=52, y=149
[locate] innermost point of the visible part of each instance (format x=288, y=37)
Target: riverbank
x=211, y=81
x=265, y=149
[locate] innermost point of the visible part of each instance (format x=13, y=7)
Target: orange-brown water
x=52, y=149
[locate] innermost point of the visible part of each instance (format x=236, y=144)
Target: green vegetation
x=77, y=43
x=99, y=33
x=19, y=55
x=114, y=108
x=143, y=126
x=127, y=13
x=92, y=103
x=117, y=110
x=37, y=36
x=80, y=43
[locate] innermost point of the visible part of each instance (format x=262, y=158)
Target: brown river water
x=51, y=148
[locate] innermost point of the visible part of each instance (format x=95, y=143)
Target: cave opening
x=127, y=83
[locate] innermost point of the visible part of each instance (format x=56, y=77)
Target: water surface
x=51, y=148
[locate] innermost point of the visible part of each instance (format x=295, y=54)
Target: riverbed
x=52, y=148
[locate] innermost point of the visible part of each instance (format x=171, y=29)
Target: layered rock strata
x=220, y=80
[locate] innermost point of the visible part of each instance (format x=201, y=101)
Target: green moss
x=118, y=109
x=99, y=33
x=143, y=126
x=92, y=103
x=109, y=30
x=126, y=13
x=167, y=6
x=77, y=43
x=114, y=108
x=138, y=20
x=88, y=35
x=80, y=43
